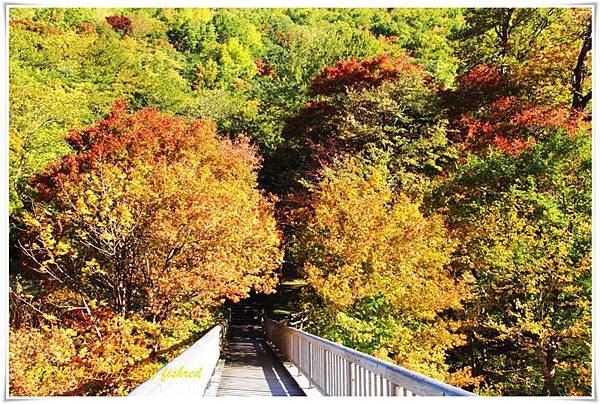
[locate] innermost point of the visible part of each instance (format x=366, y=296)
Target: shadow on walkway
x=251, y=368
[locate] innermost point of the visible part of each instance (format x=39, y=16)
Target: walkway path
x=251, y=368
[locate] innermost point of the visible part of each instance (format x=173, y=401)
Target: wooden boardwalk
x=251, y=368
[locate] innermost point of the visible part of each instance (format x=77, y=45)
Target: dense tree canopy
x=426, y=172
x=195, y=62
x=524, y=230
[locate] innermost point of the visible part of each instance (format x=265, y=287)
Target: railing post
x=310, y=361
x=338, y=376
x=393, y=389
x=325, y=381
x=299, y=364
x=361, y=381
x=349, y=378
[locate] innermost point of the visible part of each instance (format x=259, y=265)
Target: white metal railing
x=189, y=374
x=336, y=370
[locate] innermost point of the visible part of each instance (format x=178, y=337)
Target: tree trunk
x=580, y=101
x=504, y=31
x=546, y=360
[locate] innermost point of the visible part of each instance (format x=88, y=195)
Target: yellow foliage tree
x=379, y=269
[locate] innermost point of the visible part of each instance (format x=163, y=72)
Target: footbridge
x=253, y=355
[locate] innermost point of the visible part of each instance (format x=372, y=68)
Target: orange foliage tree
x=150, y=223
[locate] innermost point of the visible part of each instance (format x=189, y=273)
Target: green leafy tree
x=534, y=304
x=545, y=52
x=524, y=230
x=380, y=106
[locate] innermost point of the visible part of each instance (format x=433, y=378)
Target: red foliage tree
x=511, y=126
x=478, y=87
x=347, y=114
x=360, y=74
x=118, y=138
x=140, y=234
x=487, y=110
x=120, y=23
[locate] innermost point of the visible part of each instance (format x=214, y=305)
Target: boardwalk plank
x=252, y=369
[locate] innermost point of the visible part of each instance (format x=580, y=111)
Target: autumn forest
x=419, y=178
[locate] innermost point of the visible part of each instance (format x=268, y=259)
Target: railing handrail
x=204, y=354
x=399, y=376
